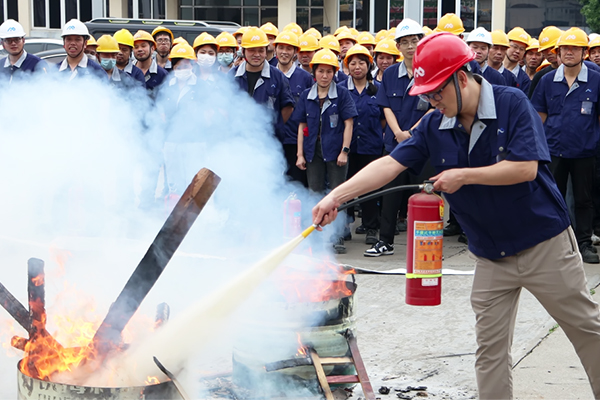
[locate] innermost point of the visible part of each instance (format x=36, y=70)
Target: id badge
x=586, y=107
x=333, y=120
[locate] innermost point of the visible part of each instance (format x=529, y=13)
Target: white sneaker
x=595, y=240
x=380, y=248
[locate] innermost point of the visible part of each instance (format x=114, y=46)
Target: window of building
x=484, y=14
x=244, y=12
x=53, y=14
x=467, y=14
x=430, y=13
x=309, y=13
x=534, y=16
x=9, y=10
x=147, y=9
x=355, y=10
x=396, y=12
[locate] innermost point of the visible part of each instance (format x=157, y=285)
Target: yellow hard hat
x=534, y=44
x=345, y=35
x=164, y=29
x=179, y=40
x=107, y=44
x=124, y=37
x=391, y=33
x=270, y=29
x=91, y=42
x=226, y=39
x=573, y=37
x=543, y=65
x=340, y=29
x=354, y=32
x=427, y=30
x=400, y=58
x=143, y=35
x=330, y=42
x=203, y=39
x=450, y=23
x=308, y=42
x=254, y=37
x=357, y=49
x=182, y=50
x=594, y=42
x=287, y=37
x=387, y=46
x=327, y=57
x=499, y=38
x=380, y=35
x=241, y=30
x=366, y=38
x=314, y=32
x=294, y=27
x=518, y=34
x=548, y=37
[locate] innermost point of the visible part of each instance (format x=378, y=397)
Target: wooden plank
x=361, y=371
x=321, y=375
x=15, y=308
x=170, y=236
x=343, y=379
x=336, y=360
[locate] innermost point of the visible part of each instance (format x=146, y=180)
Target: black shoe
x=452, y=230
x=371, y=237
x=401, y=226
x=380, y=248
x=594, y=249
x=589, y=256
x=339, y=247
x=462, y=238
x=360, y=230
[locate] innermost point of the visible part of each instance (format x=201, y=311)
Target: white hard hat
x=11, y=29
x=480, y=35
x=592, y=36
x=408, y=27
x=75, y=27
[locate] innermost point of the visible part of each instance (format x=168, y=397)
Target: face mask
x=239, y=53
x=206, y=60
x=183, y=74
x=91, y=57
x=108, y=63
x=225, y=58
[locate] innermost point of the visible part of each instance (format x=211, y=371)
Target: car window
x=52, y=46
x=33, y=48
x=54, y=59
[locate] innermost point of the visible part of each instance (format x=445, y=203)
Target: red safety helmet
x=438, y=56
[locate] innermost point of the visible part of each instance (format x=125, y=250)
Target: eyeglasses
x=163, y=40
x=407, y=43
x=519, y=48
x=12, y=40
x=437, y=96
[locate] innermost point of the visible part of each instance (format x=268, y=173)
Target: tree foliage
x=591, y=12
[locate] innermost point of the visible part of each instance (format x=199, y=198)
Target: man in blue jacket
x=18, y=60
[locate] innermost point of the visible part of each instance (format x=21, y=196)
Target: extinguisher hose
x=427, y=186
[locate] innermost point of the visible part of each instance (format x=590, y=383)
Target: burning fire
x=151, y=380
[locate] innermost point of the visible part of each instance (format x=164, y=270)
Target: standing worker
x=90, y=48
x=164, y=42
x=18, y=60
x=518, y=41
x=567, y=101
x=286, y=48
x=548, y=38
x=263, y=82
x=533, y=59
x=531, y=245
x=75, y=35
x=497, y=54
x=309, y=44
x=385, y=56
x=327, y=111
x=124, y=39
x=154, y=74
x=480, y=41
x=107, y=51
x=206, y=49
x=227, y=49
x=271, y=31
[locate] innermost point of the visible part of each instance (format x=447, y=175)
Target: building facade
x=44, y=18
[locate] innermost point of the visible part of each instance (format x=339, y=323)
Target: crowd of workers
x=341, y=101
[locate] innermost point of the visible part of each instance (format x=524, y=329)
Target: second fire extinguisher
x=424, y=249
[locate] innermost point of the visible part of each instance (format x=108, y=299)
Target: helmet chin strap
x=458, y=95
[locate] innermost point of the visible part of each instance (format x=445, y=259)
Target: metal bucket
x=31, y=388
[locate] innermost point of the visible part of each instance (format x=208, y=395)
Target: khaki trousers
x=553, y=272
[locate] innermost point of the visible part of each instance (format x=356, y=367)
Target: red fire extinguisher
x=424, y=249
x=292, y=217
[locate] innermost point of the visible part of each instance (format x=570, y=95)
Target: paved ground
x=405, y=345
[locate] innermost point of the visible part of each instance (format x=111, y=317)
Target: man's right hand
x=325, y=212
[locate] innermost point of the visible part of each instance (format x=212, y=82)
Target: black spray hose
x=427, y=186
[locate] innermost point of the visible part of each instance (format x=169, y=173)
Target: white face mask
x=206, y=60
x=183, y=74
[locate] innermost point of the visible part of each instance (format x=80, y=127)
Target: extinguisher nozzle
x=427, y=187
x=309, y=230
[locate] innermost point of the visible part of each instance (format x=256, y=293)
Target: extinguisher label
x=428, y=247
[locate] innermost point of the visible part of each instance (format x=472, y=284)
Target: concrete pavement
x=405, y=345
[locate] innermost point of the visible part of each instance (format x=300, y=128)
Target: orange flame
x=38, y=280
x=301, y=348
x=151, y=380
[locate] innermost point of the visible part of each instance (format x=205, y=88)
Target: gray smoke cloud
x=73, y=156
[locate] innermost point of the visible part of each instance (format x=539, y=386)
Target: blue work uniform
x=274, y=61
x=367, y=134
x=523, y=80
x=154, y=77
x=135, y=72
x=327, y=122
x=340, y=76
x=122, y=80
x=26, y=64
x=299, y=80
x=572, y=127
x=272, y=89
x=85, y=68
x=500, y=221
x=509, y=77
x=393, y=94
x=591, y=65
x=490, y=74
